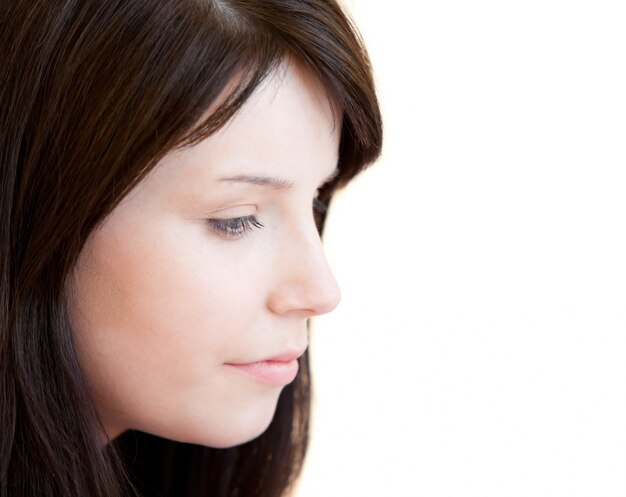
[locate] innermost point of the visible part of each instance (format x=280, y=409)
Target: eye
x=319, y=206
x=235, y=228
x=319, y=211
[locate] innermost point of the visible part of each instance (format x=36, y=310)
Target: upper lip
x=282, y=357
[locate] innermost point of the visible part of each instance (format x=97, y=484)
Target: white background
x=480, y=345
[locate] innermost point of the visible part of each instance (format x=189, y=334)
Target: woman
x=166, y=167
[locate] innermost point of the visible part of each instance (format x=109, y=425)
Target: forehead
x=287, y=128
x=289, y=106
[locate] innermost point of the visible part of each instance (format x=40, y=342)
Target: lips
x=277, y=370
x=286, y=356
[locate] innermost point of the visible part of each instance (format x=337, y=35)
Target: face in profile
x=208, y=263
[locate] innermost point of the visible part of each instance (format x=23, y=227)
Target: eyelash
x=237, y=227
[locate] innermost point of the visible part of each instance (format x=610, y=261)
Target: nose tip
x=307, y=284
x=330, y=298
x=310, y=299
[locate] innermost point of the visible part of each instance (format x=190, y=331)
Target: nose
x=305, y=284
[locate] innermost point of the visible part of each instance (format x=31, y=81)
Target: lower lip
x=274, y=373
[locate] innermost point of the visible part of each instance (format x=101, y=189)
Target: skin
x=161, y=300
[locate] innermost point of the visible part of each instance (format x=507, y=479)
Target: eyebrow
x=275, y=183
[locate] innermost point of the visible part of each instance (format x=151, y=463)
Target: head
x=199, y=268
x=143, y=255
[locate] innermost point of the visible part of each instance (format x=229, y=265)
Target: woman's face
x=168, y=292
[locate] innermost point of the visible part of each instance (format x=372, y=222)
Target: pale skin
x=162, y=299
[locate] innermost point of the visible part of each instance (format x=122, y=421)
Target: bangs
x=260, y=45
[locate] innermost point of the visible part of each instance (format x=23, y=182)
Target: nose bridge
x=307, y=282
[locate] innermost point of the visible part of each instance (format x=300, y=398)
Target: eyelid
x=235, y=228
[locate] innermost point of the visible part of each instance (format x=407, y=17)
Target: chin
x=234, y=429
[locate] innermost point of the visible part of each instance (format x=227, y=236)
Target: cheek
x=153, y=291
x=156, y=312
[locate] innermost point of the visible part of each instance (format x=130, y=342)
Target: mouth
x=269, y=372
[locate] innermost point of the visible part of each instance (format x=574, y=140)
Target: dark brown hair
x=93, y=93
